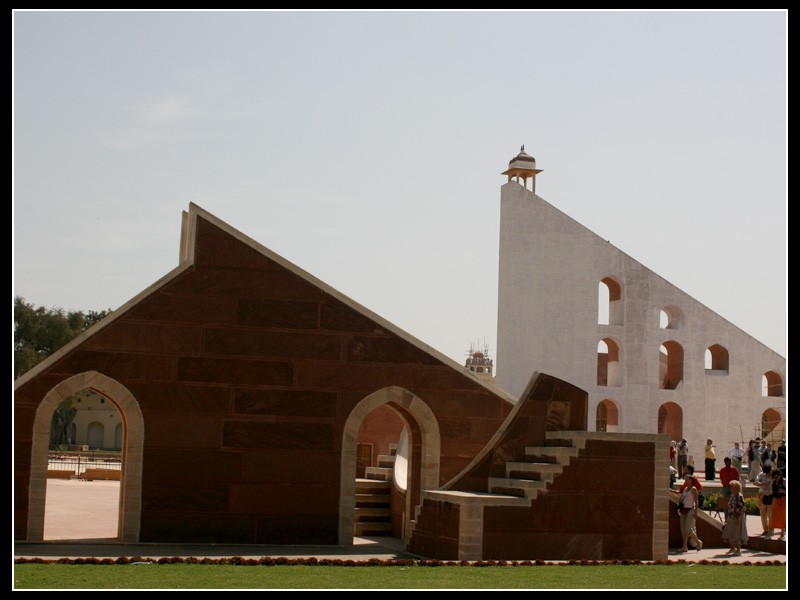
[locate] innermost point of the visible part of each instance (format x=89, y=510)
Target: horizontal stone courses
x=246, y=434
x=235, y=371
x=270, y=282
x=289, y=402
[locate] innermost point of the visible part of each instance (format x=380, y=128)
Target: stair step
x=511, y=486
x=372, y=500
x=386, y=460
x=533, y=467
x=379, y=473
x=533, y=470
x=565, y=442
x=372, y=529
x=551, y=454
x=373, y=486
x=372, y=514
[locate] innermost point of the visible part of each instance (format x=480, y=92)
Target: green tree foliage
x=39, y=331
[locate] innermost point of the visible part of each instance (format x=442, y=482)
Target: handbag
x=767, y=500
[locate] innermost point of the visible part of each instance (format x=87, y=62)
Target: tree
x=61, y=425
x=39, y=331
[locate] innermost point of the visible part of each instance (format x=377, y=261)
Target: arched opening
x=609, y=369
x=771, y=384
x=609, y=303
x=607, y=416
x=670, y=317
x=670, y=365
x=670, y=421
x=420, y=458
x=113, y=394
x=379, y=439
x=716, y=360
x=770, y=419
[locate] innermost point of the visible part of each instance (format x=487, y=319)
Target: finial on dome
x=522, y=148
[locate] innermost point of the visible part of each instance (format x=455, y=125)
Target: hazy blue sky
x=367, y=149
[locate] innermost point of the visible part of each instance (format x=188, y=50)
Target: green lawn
x=200, y=576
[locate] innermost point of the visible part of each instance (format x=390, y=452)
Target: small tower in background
x=479, y=363
x=523, y=166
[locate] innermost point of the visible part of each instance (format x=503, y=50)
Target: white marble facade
x=550, y=280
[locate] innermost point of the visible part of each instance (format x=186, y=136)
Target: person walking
x=711, y=460
x=687, y=514
x=764, y=498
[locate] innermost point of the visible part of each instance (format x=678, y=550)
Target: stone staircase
x=524, y=479
x=373, y=514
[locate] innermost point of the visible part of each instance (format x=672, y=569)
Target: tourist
x=777, y=519
x=736, y=454
x=693, y=481
x=735, y=529
x=683, y=457
x=753, y=461
x=673, y=454
x=711, y=460
x=768, y=456
x=780, y=460
x=727, y=474
x=687, y=514
x=762, y=447
x=764, y=498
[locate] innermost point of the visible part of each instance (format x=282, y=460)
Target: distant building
x=97, y=424
x=479, y=363
x=652, y=358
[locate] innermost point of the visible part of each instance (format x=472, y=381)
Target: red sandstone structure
x=259, y=404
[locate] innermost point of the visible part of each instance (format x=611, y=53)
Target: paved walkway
x=81, y=522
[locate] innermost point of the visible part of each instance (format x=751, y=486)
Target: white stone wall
x=549, y=271
x=91, y=410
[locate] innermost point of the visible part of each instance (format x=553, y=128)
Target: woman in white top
x=688, y=514
x=764, y=483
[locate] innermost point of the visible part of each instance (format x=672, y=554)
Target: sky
x=367, y=148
